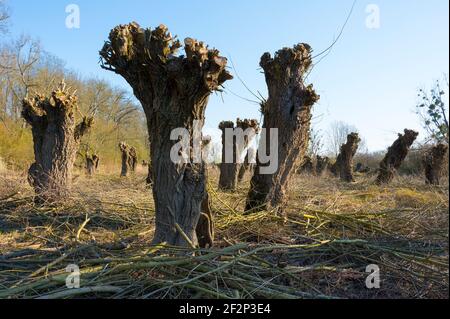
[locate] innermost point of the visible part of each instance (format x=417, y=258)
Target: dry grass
x=333, y=231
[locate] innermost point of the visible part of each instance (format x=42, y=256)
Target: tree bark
x=344, y=164
x=434, y=161
x=56, y=138
x=205, y=226
x=227, y=179
x=174, y=92
x=395, y=156
x=288, y=109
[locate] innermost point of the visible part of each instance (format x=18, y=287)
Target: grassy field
x=332, y=232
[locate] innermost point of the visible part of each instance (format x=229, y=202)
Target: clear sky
x=369, y=80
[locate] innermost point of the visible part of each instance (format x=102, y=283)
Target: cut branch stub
x=173, y=90
x=434, y=162
x=56, y=138
x=287, y=109
x=395, y=156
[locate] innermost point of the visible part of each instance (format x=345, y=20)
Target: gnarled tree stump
x=127, y=159
x=56, y=138
x=395, y=156
x=344, y=163
x=173, y=90
x=287, y=109
x=434, y=161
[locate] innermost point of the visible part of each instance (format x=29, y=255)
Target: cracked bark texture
x=288, y=109
x=434, y=162
x=344, y=162
x=228, y=171
x=395, y=156
x=173, y=90
x=56, y=138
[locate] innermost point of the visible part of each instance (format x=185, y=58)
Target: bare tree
x=288, y=109
x=56, y=139
x=4, y=16
x=395, y=156
x=174, y=92
x=337, y=136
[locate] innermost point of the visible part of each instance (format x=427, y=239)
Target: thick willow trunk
x=56, y=138
x=434, y=162
x=228, y=170
x=287, y=109
x=173, y=91
x=395, y=156
x=322, y=164
x=345, y=158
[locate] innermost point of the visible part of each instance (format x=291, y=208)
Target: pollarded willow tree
x=56, y=138
x=434, y=161
x=243, y=134
x=344, y=162
x=287, y=109
x=227, y=179
x=395, y=156
x=250, y=128
x=129, y=159
x=173, y=90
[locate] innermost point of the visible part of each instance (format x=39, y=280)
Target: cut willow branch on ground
x=319, y=250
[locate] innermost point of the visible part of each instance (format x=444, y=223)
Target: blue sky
x=369, y=80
